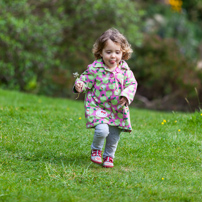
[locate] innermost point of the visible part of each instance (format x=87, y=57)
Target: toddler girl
x=110, y=87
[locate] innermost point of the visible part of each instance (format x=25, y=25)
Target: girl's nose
x=113, y=55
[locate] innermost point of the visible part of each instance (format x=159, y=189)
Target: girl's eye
x=118, y=52
x=108, y=52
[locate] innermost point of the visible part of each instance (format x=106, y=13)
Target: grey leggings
x=112, y=135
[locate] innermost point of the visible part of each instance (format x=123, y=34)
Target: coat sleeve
x=87, y=78
x=130, y=86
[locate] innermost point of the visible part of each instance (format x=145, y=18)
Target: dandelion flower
x=164, y=121
x=201, y=114
x=162, y=178
x=175, y=121
x=179, y=130
x=79, y=118
x=75, y=74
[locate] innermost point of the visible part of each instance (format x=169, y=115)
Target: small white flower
x=75, y=74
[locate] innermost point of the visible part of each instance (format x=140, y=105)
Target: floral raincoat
x=103, y=90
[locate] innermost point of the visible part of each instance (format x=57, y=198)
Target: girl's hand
x=123, y=101
x=79, y=87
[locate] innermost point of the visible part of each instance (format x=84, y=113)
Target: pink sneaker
x=96, y=156
x=108, y=162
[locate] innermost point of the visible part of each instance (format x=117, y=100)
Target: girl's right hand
x=79, y=87
x=123, y=101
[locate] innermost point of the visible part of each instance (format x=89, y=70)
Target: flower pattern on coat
x=103, y=90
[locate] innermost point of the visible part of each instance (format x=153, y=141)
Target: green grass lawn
x=45, y=154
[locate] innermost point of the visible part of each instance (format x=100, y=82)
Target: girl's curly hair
x=114, y=35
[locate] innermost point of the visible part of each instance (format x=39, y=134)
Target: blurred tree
x=165, y=76
x=83, y=22
x=43, y=42
x=86, y=20
x=166, y=61
x=194, y=9
x=27, y=44
x=166, y=23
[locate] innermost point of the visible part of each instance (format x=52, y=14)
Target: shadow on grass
x=74, y=158
x=80, y=159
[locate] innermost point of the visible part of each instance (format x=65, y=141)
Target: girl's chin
x=112, y=66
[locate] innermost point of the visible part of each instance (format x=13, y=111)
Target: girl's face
x=111, y=54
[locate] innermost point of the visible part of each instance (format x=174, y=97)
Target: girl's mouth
x=112, y=62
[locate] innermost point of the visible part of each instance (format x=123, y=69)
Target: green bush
x=165, y=74
x=43, y=42
x=166, y=23
x=28, y=44
x=165, y=63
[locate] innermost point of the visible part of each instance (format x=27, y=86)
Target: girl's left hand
x=79, y=87
x=123, y=101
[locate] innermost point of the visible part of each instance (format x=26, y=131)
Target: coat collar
x=99, y=63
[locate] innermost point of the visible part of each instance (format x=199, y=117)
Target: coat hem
x=95, y=124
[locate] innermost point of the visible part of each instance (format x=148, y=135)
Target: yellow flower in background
x=162, y=178
x=176, y=5
x=179, y=130
x=201, y=114
x=79, y=118
x=164, y=121
x=175, y=121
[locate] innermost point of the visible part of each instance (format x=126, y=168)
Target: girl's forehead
x=109, y=44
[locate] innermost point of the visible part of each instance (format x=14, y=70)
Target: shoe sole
x=108, y=166
x=96, y=162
